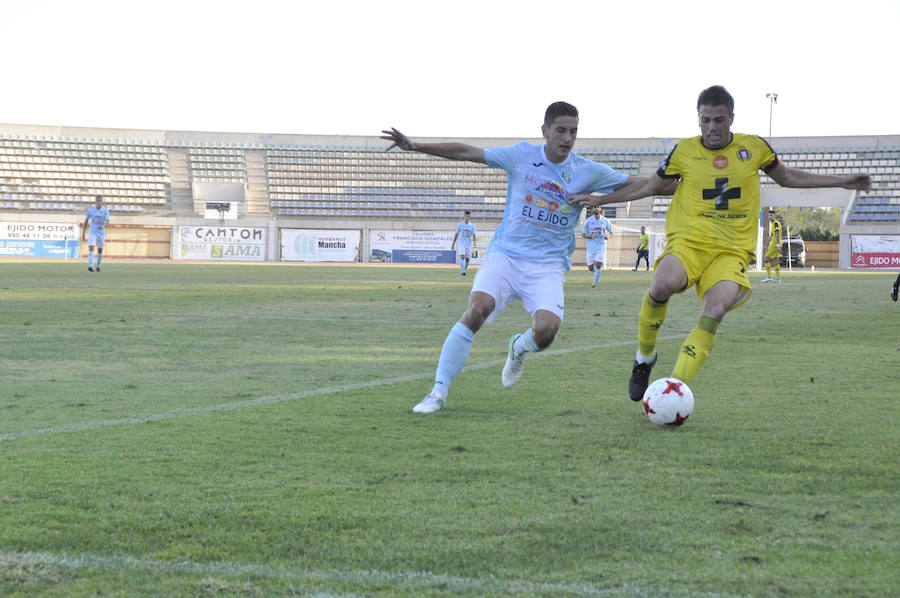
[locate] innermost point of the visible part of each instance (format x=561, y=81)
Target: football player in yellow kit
x=711, y=228
x=773, y=251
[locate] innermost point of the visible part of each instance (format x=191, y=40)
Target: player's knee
x=661, y=292
x=716, y=308
x=480, y=307
x=545, y=331
x=544, y=338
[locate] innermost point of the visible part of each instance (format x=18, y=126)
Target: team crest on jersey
x=743, y=154
x=720, y=162
x=567, y=177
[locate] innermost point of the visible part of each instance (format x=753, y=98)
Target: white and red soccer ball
x=668, y=402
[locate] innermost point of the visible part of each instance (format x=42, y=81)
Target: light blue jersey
x=539, y=222
x=465, y=232
x=602, y=227
x=98, y=217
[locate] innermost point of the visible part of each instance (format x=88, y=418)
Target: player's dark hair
x=557, y=109
x=467, y=212
x=716, y=96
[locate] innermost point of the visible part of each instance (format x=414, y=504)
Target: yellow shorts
x=706, y=265
x=773, y=251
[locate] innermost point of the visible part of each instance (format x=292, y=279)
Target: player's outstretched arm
x=634, y=188
x=794, y=177
x=450, y=150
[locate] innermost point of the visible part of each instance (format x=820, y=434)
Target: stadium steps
x=641, y=208
x=182, y=198
x=257, y=183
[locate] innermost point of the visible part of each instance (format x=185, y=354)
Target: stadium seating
x=882, y=203
x=332, y=178
x=212, y=162
x=55, y=173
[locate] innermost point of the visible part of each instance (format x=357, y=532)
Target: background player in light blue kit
x=98, y=217
x=532, y=247
x=465, y=233
x=596, y=230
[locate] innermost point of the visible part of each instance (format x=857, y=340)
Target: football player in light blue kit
x=465, y=233
x=532, y=247
x=596, y=230
x=98, y=217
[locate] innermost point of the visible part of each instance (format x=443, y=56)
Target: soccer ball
x=668, y=402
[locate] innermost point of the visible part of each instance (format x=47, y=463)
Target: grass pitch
x=237, y=430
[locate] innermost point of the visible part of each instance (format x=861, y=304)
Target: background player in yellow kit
x=773, y=252
x=711, y=228
x=643, y=250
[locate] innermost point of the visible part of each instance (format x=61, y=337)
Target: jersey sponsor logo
x=529, y=198
x=545, y=186
x=541, y=202
x=553, y=205
x=722, y=194
x=720, y=162
x=565, y=209
x=743, y=154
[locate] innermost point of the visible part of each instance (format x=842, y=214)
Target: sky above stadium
x=485, y=68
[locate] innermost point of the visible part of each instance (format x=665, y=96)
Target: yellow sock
x=768, y=270
x=651, y=318
x=695, y=349
x=778, y=271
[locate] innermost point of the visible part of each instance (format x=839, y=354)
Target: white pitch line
x=348, y=319
x=315, y=577
x=184, y=413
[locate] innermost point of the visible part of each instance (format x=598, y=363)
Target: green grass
x=238, y=430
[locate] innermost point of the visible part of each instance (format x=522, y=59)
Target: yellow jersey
x=774, y=235
x=645, y=241
x=717, y=201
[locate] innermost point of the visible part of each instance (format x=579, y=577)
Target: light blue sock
x=453, y=356
x=462, y=265
x=525, y=343
x=597, y=272
x=99, y=258
x=91, y=259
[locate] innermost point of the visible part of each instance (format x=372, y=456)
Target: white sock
x=525, y=343
x=453, y=357
x=641, y=358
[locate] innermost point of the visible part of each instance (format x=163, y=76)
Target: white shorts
x=536, y=285
x=598, y=256
x=464, y=251
x=96, y=239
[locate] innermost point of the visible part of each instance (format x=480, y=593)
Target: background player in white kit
x=596, y=230
x=97, y=217
x=532, y=247
x=465, y=234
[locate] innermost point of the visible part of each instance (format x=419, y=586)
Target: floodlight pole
x=773, y=99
